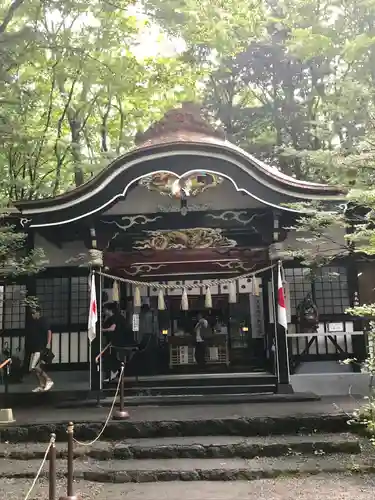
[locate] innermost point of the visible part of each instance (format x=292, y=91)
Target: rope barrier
x=108, y=417
x=51, y=442
x=102, y=352
x=162, y=286
x=121, y=414
x=5, y=363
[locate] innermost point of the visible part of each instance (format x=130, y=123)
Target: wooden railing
x=324, y=346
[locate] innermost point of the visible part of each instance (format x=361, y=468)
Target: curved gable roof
x=181, y=133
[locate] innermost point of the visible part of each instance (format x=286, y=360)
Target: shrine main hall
x=188, y=224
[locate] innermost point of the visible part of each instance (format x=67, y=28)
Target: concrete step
x=204, y=379
x=185, y=469
x=196, y=390
x=196, y=447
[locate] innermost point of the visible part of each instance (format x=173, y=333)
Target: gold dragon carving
x=197, y=238
x=172, y=185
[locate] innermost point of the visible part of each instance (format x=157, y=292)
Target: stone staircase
x=193, y=450
x=220, y=458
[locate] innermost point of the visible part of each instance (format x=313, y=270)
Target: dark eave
x=248, y=175
x=209, y=145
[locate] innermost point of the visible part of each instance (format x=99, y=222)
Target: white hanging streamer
x=137, y=298
x=161, y=301
x=115, y=292
x=255, y=288
x=184, y=301
x=232, y=299
x=208, y=298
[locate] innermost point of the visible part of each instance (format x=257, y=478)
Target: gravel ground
x=321, y=487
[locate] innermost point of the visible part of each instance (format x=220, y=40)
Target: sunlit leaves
x=225, y=26
x=306, y=45
x=79, y=92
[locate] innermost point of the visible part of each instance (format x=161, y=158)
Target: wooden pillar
x=358, y=341
x=269, y=328
x=30, y=282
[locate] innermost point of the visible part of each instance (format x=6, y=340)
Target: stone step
x=195, y=447
x=261, y=394
x=199, y=424
x=185, y=469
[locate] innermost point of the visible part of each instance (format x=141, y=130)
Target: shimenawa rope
x=162, y=286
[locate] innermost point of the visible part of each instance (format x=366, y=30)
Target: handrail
x=5, y=363
x=102, y=352
x=325, y=334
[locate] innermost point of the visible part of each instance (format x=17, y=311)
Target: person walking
x=117, y=333
x=38, y=340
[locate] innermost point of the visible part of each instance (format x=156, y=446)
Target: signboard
x=184, y=355
x=135, y=322
x=257, y=316
x=336, y=327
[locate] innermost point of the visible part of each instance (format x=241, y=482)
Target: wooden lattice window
x=329, y=289
x=299, y=286
x=53, y=298
x=64, y=300
x=12, y=307
x=79, y=304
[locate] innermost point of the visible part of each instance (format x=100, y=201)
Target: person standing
x=38, y=340
x=201, y=331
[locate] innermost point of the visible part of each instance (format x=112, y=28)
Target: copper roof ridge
x=177, y=138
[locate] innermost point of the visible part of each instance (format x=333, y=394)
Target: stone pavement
x=320, y=487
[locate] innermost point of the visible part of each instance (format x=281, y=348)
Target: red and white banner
x=93, y=312
x=281, y=308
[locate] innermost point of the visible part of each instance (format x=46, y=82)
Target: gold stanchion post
x=69, y=487
x=121, y=414
x=52, y=469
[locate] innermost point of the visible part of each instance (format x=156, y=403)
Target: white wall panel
x=74, y=340
x=83, y=347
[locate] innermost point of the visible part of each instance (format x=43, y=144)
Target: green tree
x=299, y=92
x=15, y=37
x=80, y=93
x=296, y=88
x=210, y=28
x=73, y=93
